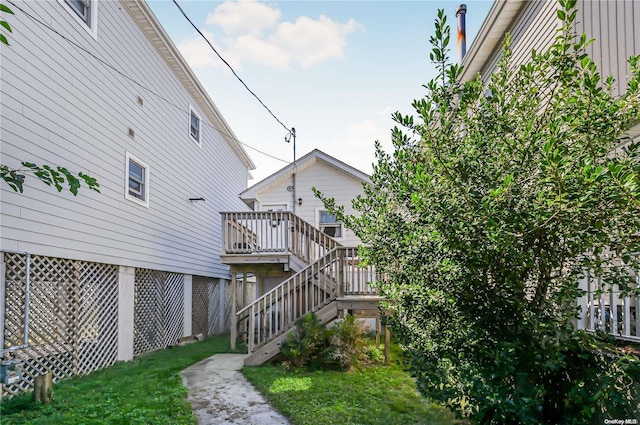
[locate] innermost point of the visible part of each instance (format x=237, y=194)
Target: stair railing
x=307, y=291
x=337, y=274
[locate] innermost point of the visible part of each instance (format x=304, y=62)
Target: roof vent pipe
x=461, y=11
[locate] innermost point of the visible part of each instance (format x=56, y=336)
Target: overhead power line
x=229, y=66
x=134, y=81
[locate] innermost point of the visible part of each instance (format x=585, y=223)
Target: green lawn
x=380, y=394
x=149, y=391
x=145, y=391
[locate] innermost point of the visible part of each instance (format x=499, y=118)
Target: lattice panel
x=72, y=316
x=227, y=304
x=148, y=311
x=200, y=306
x=216, y=291
x=98, y=317
x=158, y=311
x=14, y=299
x=173, y=308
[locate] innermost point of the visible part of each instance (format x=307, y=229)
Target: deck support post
x=260, y=285
x=245, y=290
x=387, y=344
x=234, y=318
x=377, y=332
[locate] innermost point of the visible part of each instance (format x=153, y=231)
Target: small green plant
x=307, y=343
x=374, y=354
x=349, y=343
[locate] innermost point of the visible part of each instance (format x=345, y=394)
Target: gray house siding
x=611, y=24
x=62, y=106
x=533, y=29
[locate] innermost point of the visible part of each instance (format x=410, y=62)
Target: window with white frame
x=137, y=181
x=195, y=125
x=85, y=12
x=329, y=224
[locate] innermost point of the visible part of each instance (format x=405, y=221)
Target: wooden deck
x=318, y=275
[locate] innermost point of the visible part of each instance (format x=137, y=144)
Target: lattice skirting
x=211, y=305
x=158, y=311
x=73, y=316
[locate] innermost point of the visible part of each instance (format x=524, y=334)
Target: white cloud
x=244, y=17
x=254, y=33
x=249, y=48
x=311, y=41
x=199, y=55
x=356, y=147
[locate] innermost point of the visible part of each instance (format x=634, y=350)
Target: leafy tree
x=4, y=24
x=500, y=194
x=57, y=175
x=49, y=175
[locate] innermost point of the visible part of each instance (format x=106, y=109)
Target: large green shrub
x=346, y=343
x=499, y=195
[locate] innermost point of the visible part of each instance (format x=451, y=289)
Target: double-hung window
x=85, y=12
x=329, y=224
x=137, y=180
x=82, y=9
x=195, y=125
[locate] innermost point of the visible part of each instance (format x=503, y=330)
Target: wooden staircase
x=324, y=288
x=328, y=280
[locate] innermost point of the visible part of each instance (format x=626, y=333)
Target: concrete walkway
x=220, y=394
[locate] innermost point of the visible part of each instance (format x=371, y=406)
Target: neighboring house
x=303, y=259
x=98, y=86
x=316, y=169
x=532, y=25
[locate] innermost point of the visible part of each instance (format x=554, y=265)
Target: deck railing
x=604, y=308
x=336, y=274
x=269, y=232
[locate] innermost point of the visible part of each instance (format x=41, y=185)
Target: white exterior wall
x=61, y=106
x=612, y=25
x=329, y=180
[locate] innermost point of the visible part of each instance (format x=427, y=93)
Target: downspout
x=293, y=175
x=461, y=12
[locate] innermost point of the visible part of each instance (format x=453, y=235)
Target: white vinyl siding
x=62, y=107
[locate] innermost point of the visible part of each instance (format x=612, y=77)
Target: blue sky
x=334, y=70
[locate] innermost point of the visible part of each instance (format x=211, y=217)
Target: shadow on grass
x=147, y=390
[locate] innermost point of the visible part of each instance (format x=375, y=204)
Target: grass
x=149, y=391
x=145, y=391
x=376, y=395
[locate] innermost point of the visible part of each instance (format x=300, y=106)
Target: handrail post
x=225, y=242
x=234, y=318
x=341, y=282
x=252, y=329
x=286, y=232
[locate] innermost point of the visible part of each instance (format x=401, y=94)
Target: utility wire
x=229, y=66
x=142, y=86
